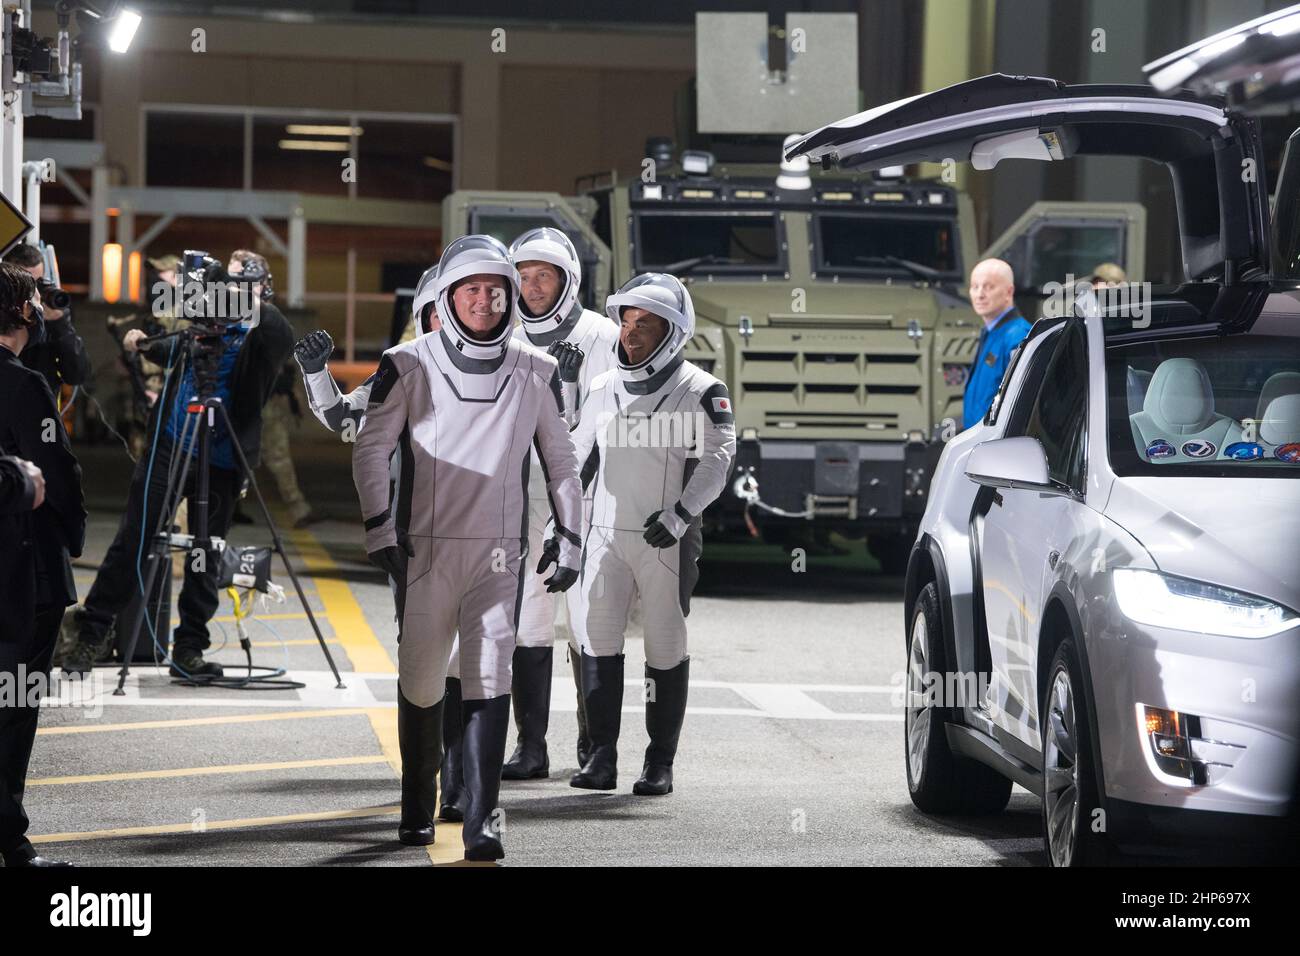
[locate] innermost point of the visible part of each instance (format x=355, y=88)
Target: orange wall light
x=133, y=263
x=112, y=257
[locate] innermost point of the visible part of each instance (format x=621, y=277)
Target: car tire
x=938, y=780
x=1070, y=798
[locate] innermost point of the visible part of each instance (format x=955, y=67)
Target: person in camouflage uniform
x=277, y=418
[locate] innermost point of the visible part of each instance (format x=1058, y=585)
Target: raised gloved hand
x=570, y=358
x=563, y=578
x=393, y=559
x=662, y=531
x=313, y=350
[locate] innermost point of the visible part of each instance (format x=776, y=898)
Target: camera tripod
x=204, y=345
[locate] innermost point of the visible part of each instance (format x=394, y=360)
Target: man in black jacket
x=250, y=363
x=61, y=357
x=42, y=524
x=22, y=485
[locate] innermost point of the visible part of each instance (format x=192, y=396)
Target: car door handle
x=1052, y=558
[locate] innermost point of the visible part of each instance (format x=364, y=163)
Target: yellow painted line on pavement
x=248, y=823
x=300, y=616
x=449, y=846
x=340, y=606
x=203, y=721
x=368, y=655
x=201, y=771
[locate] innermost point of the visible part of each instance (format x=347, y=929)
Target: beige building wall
x=413, y=68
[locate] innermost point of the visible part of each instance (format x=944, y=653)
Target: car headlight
x=1148, y=597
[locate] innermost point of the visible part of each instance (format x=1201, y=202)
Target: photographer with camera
x=248, y=356
x=61, y=357
x=42, y=526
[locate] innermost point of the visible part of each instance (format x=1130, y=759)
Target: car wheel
x=1073, y=832
x=939, y=780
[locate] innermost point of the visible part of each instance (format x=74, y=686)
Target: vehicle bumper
x=881, y=484
x=1239, y=704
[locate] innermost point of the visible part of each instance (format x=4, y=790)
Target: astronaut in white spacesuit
x=665, y=435
x=465, y=405
x=582, y=341
x=344, y=414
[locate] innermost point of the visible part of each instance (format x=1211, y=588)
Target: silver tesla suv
x=1102, y=601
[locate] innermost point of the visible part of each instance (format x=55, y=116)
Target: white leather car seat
x=1179, y=410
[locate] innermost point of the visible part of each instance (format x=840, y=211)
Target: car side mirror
x=1009, y=463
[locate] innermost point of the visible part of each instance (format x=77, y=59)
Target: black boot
x=664, y=712
x=530, y=693
x=584, y=742
x=487, y=724
x=419, y=738
x=602, y=691
x=451, y=808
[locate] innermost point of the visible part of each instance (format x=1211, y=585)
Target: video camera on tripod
x=212, y=295
x=216, y=302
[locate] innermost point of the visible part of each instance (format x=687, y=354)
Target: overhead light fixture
x=317, y=145
x=122, y=30
x=310, y=129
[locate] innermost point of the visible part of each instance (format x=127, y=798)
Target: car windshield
x=708, y=242
x=1211, y=405
x=871, y=244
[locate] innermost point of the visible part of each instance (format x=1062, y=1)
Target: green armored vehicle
x=832, y=307
x=831, y=304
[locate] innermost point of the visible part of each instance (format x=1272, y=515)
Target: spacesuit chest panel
x=595, y=335
x=645, y=442
x=471, y=439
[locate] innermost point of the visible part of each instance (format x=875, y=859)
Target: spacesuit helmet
x=426, y=291
x=548, y=244
x=470, y=256
x=662, y=295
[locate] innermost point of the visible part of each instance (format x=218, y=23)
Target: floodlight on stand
x=122, y=30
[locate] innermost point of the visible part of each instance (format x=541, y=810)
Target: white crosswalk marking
x=767, y=700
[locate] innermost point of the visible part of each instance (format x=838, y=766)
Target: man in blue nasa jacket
x=992, y=296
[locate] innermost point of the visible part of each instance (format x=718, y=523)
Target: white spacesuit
x=465, y=405
x=583, y=342
x=422, y=765
x=665, y=435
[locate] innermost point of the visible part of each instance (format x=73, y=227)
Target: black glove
x=570, y=358
x=656, y=535
x=563, y=578
x=550, y=554
x=393, y=559
x=313, y=350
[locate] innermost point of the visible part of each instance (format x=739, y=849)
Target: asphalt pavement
x=792, y=751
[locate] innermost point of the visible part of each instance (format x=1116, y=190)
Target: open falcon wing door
x=1256, y=67
x=1212, y=154
x=1252, y=64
